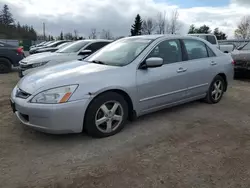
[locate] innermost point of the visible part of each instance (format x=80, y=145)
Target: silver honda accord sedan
x=128, y=78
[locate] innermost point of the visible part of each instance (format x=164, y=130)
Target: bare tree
x=161, y=22
x=174, y=24
x=93, y=34
x=243, y=30
x=76, y=34
x=148, y=26
x=106, y=34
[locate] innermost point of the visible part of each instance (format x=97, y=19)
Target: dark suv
x=9, y=57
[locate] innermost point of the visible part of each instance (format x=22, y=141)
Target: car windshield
x=47, y=43
x=246, y=47
x=63, y=45
x=242, y=46
x=51, y=44
x=120, y=53
x=73, y=47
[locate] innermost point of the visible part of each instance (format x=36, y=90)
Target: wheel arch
x=124, y=94
x=223, y=75
x=3, y=57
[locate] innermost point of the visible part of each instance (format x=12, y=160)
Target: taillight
x=233, y=62
x=20, y=50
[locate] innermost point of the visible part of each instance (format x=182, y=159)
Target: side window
x=211, y=39
x=195, y=49
x=210, y=52
x=96, y=46
x=168, y=50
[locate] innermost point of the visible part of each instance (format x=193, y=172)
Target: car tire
x=5, y=65
x=216, y=90
x=101, y=120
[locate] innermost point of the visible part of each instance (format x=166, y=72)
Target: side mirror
x=85, y=52
x=152, y=62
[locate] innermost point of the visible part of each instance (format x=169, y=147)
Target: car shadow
x=71, y=138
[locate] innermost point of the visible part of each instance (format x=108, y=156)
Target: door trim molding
x=162, y=95
x=172, y=92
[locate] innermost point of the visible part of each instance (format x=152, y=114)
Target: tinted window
x=169, y=51
x=96, y=46
x=211, y=39
x=195, y=49
x=210, y=52
x=73, y=47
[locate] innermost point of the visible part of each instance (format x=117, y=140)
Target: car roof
x=96, y=40
x=168, y=36
x=195, y=34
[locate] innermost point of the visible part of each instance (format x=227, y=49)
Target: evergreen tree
x=137, y=26
x=192, y=29
x=61, y=36
x=219, y=34
x=6, y=17
x=202, y=29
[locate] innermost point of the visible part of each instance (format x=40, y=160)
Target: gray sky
x=118, y=15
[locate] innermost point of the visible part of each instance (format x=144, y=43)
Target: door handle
x=181, y=70
x=213, y=63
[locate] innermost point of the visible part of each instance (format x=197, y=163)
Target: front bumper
x=51, y=118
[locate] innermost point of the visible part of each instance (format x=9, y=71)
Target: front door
x=160, y=86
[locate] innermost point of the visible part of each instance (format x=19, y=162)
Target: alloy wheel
x=217, y=90
x=109, y=116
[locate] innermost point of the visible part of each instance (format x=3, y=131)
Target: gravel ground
x=193, y=145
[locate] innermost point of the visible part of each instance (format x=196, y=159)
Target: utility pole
x=44, y=31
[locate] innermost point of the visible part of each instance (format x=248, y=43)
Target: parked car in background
x=43, y=44
x=48, y=45
x=127, y=78
x=241, y=56
x=53, y=49
x=226, y=48
x=9, y=56
x=76, y=50
x=40, y=44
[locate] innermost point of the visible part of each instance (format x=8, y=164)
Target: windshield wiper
x=98, y=62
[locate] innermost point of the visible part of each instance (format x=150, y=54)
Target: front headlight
x=55, y=96
x=39, y=64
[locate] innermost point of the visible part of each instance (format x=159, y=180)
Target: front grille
x=22, y=94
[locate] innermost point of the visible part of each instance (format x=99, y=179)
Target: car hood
x=73, y=72
x=46, y=56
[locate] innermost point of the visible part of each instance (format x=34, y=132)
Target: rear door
x=201, y=67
